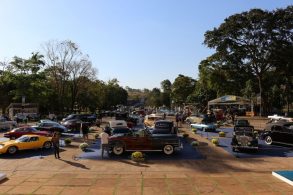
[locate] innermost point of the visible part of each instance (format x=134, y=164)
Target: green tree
x=245, y=40
x=166, y=86
x=182, y=87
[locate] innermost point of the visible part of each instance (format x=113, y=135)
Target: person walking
x=85, y=131
x=104, y=142
x=55, y=142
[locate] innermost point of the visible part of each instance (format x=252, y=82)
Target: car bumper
x=178, y=148
x=246, y=147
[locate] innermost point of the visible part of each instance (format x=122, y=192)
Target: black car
x=244, y=138
x=72, y=124
x=164, y=127
x=278, y=132
x=241, y=123
x=90, y=118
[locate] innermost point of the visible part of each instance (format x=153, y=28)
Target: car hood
x=9, y=142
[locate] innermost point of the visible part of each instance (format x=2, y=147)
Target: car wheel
x=47, y=145
x=13, y=137
x=203, y=129
x=118, y=149
x=12, y=150
x=268, y=140
x=168, y=149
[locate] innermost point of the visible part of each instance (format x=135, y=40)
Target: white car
x=5, y=124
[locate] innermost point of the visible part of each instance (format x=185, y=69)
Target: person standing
x=55, y=142
x=85, y=131
x=104, y=142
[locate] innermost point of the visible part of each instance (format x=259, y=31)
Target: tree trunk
x=260, y=94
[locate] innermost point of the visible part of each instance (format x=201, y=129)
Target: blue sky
x=139, y=42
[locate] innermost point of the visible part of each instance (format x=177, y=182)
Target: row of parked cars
x=277, y=131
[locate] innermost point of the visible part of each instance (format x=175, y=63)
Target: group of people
x=85, y=130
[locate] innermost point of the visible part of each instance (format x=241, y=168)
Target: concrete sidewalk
x=218, y=173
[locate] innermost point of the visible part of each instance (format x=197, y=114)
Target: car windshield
x=22, y=139
x=247, y=131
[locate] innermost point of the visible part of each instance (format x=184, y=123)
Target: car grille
x=243, y=140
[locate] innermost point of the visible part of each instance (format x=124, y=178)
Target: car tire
x=12, y=138
x=12, y=150
x=118, y=149
x=168, y=149
x=47, y=145
x=268, y=140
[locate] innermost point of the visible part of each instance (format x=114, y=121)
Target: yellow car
x=25, y=142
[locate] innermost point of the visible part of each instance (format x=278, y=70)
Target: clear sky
x=139, y=42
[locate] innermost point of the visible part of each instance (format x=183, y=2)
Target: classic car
x=25, y=130
x=6, y=124
x=117, y=130
x=91, y=118
x=241, y=123
x=72, y=124
x=204, y=123
x=276, y=118
x=194, y=118
x=25, y=142
x=278, y=132
x=244, y=138
x=149, y=120
x=143, y=140
x=163, y=127
x=51, y=126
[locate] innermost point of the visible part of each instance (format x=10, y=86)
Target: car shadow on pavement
x=34, y=153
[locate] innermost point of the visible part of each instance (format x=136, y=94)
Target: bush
x=137, y=156
x=67, y=141
x=194, y=130
x=215, y=141
x=185, y=135
x=83, y=146
x=194, y=143
x=222, y=134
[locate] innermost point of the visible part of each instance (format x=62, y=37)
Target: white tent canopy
x=229, y=100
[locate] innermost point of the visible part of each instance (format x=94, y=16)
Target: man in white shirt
x=104, y=142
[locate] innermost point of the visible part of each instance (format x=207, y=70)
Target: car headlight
x=1, y=146
x=249, y=143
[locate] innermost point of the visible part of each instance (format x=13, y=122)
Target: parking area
x=215, y=172
x=263, y=151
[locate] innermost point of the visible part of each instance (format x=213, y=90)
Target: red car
x=25, y=130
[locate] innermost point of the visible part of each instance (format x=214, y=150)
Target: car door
x=276, y=133
x=140, y=141
x=34, y=142
x=23, y=143
x=288, y=131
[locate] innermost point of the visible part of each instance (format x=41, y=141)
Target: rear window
x=163, y=125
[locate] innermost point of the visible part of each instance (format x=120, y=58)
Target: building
x=27, y=108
